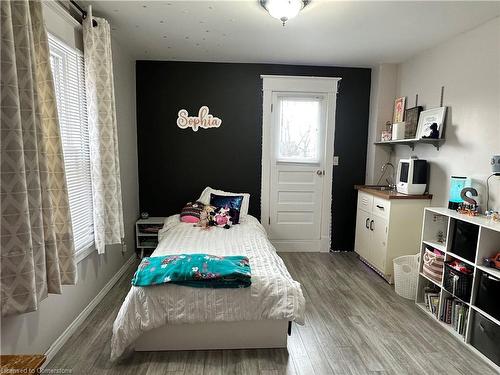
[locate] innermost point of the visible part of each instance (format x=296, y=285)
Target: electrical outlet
x=335, y=160
x=124, y=247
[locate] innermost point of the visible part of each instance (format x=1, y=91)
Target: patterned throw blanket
x=195, y=270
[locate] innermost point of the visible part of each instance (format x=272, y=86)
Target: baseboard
x=388, y=278
x=302, y=246
x=292, y=246
x=61, y=340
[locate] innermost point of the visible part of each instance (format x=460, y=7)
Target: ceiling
x=342, y=33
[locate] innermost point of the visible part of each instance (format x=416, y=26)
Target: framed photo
x=411, y=120
x=386, y=136
x=426, y=129
x=399, y=109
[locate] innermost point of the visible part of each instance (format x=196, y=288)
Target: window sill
x=85, y=252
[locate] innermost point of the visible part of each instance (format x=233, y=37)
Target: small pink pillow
x=191, y=212
x=190, y=219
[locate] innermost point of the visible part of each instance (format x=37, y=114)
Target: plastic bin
x=405, y=276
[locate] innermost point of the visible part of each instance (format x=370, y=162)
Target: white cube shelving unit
x=488, y=244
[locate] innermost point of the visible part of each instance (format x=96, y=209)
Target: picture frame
x=386, y=136
x=427, y=118
x=399, y=109
x=411, y=120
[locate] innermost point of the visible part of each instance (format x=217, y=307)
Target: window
x=68, y=72
x=299, y=123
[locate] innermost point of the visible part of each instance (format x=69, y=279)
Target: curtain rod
x=83, y=12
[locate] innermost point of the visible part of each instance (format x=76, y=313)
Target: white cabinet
x=387, y=228
x=378, y=255
x=363, y=233
x=371, y=238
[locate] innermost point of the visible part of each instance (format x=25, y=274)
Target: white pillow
x=205, y=198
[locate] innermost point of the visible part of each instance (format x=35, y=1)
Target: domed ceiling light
x=284, y=9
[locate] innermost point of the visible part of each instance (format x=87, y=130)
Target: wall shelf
x=412, y=142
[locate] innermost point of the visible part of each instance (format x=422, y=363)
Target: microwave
x=412, y=176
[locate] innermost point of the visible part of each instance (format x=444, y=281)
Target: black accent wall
x=176, y=164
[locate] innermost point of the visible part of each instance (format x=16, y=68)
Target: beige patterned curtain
x=105, y=167
x=37, y=254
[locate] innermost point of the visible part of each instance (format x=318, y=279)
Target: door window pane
x=299, y=129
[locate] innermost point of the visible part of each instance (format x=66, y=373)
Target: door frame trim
x=324, y=85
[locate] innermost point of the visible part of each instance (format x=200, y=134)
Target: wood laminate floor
x=355, y=324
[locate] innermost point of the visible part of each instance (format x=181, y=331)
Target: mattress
x=273, y=295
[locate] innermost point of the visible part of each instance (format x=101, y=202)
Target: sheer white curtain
x=105, y=167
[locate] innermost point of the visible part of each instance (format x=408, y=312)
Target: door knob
x=319, y=172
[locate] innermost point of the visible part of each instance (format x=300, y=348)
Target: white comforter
x=272, y=295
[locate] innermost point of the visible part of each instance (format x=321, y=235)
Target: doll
x=206, y=216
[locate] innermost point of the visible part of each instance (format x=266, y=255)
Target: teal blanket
x=195, y=270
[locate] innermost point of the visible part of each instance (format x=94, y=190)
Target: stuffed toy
x=222, y=218
x=206, y=216
x=434, y=134
x=191, y=212
x=212, y=216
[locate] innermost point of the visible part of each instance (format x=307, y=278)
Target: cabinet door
x=362, y=241
x=378, y=253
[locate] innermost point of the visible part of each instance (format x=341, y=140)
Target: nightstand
x=146, y=234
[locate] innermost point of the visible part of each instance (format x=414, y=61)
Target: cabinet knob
x=371, y=225
x=366, y=223
x=319, y=172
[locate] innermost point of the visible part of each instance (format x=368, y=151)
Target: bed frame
x=250, y=334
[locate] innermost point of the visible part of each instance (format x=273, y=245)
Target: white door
x=298, y=127
x=297, y=168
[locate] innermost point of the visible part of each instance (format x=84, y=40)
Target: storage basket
x=488, y=294
x=405, y=275
x=433, y=265
x=457, y=283
x=485, y=336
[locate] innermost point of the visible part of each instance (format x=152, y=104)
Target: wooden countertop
x=389, y=194
x=26, y=362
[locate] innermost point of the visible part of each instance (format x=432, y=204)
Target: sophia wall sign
x=204, y=120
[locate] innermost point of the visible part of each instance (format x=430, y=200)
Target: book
x=434, y=304
x=431, y=300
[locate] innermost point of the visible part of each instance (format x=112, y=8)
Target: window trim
x=82, y=254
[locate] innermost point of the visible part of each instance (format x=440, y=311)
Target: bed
x=172, y=317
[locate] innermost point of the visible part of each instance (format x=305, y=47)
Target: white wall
x=382, y=94
x=469, y=67
x=34, y=332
